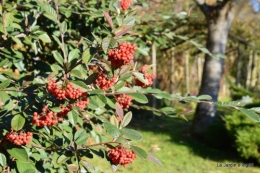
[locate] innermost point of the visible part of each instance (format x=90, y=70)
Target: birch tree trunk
x=219, y=17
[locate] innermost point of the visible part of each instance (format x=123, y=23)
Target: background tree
x=219, y=16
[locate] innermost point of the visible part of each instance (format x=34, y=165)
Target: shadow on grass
x=178, y=130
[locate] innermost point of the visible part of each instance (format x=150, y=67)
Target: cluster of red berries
x=19, y=138
x=121, y=55
x=64, y=111
x=45, y=118
x=68, y=92
x=121, y=156
x=125, y=4
x=124, y=100
x=81, y=103
x=148, y=77
x=103, y=82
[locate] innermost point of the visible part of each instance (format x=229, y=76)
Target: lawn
x=179, y=152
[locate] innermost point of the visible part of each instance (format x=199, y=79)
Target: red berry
x=121, y=156
x=124, y=100
x=121, y=55
x=125, y=4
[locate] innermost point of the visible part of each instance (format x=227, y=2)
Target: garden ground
x=179, y=152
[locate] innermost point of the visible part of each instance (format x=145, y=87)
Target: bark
x=219, y=18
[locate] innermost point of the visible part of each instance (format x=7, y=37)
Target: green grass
x=179, y=152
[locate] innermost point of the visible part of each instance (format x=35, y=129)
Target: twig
x=3, y=18
x=61, y=33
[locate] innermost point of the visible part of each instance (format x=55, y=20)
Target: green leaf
x=168, y=109
x=79, y=133
x=81, y=85
x=232, y=103
x=125, y=90
x=56, y=109
x=113, y=120
x=9, y=18
x=154, y=159
x=45, y=38
x=139, y=151
x=25, y=167
x=129, y=21
x=56, y=68
x=251, y=114
x=17, y=122
x=62, y=159
x=18, y=153
x=126, y=120
x=87, y=165
x=86, y=56
x=17, y=41
x=64, y=26
x=82, y=140
x=204, y=97
x=73, y=117
x=111, y=129
x=141, y=98
x=108, y=43
x=140, y=77
x=58, y=57
x=131, y=134
x=2, y=160
x=256, y=109
x=50, y=12
x=5, y=84
x=73, y=54
x=4, y=63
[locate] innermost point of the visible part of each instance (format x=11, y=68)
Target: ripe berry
x=125, y=4
x=121, y=156
x=103, y=82
x=68, y=92
x=19, y=138
x=148, y=77
x=124, y=100
x=121, y=55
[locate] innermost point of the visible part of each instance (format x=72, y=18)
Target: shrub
x=244, y=134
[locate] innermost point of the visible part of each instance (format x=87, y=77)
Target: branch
x=61, y=33
x=203, y=6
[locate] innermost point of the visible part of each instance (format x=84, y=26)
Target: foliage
x=61, y=78
x=62, y=107
x=243, y=134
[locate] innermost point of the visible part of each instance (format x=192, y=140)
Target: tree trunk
x=219, y=18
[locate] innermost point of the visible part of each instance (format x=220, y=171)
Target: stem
x=3, y=18
x=61, y=33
